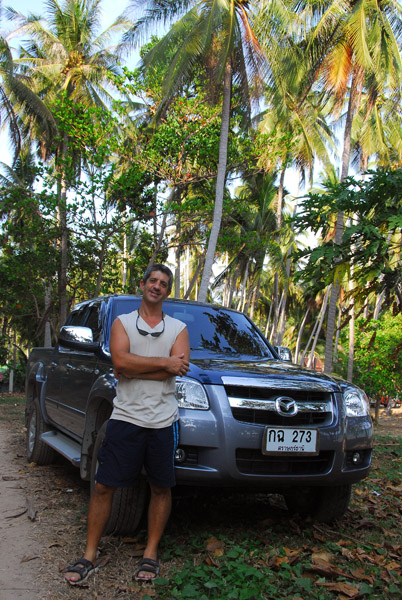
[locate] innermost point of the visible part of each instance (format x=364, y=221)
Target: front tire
x=324, y=504
x=128, y=504
x=36, y=450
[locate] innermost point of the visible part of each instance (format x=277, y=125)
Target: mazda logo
x=286, y=406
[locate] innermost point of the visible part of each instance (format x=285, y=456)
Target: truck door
x=77, y=377
x=55, y=371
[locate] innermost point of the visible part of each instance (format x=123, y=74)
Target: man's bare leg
x=98, y=515
x=159, y=509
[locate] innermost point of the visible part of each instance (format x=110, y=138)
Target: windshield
x=213, y=331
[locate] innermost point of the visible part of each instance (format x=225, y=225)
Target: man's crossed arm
x=148, y=367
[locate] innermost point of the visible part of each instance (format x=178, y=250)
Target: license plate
x=290, y=440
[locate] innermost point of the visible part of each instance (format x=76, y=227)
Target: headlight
x=356, y=401
x=191, y=394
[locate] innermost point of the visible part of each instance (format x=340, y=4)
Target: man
x=148, y=350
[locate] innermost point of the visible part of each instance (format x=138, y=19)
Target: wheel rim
x=32, y=431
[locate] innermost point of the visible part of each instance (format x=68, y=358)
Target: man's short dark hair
x=159, y=267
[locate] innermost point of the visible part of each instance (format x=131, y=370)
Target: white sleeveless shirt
x=143, y=402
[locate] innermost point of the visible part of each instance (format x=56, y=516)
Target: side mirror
x=77, y=338
x=284, y=353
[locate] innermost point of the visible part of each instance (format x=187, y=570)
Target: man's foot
x=79, y=571
x=147, y=570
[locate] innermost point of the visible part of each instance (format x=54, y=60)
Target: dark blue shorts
x=127, y=448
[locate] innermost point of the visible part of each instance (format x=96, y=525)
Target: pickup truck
x=249, y=420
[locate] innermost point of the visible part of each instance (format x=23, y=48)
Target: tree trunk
x=47, y=342
x=159, y=238
x=100, y=267
x=177, y=253
x=317, y=333
x=282, y=314
x=186, y=283
x=351, y=341
x=13, y=352
x=232, y=286
x=62, y=216
x=220, y=183
x=194, y=278
x=177, y=274
x=300, y=335
x=279, y=208
x=254, y=300
x=351, y=353
x=378, y=304
x=243, y=296
x=347, y=137
x=269, y=319
x=316, y=325
x=338, y=332
x=125, y=253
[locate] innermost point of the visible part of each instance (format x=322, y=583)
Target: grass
x=12, y=408
x=9, y=400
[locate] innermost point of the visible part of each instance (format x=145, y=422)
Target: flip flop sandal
x=147, y=565
x=83, y=567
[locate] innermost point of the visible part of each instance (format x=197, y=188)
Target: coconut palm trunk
x=62, y=218
x=220, y=183
x=353, y=102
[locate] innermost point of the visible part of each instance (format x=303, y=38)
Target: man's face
x=156, y=287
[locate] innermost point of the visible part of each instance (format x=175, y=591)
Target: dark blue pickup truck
x=249, y=420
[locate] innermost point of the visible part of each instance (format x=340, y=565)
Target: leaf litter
x=215, y=547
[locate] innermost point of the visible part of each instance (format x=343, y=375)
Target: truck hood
x=211, y=371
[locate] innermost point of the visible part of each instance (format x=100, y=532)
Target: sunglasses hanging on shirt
x=154, y=334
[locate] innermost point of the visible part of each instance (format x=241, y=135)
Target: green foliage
x=378, y=355
x=28, y=260
x=234, y=576
x=371, y=238
x=183, y=147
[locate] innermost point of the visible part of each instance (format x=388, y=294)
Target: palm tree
x=353, y=46
x=64, y=58
x=294, y=121
x=15, y=94
x=220, y=33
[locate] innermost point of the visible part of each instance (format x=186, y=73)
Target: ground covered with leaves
x=244, y=547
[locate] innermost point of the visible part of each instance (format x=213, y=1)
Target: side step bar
x=63, y=445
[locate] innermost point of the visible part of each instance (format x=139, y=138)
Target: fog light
x=180, y=455
x=356, y=458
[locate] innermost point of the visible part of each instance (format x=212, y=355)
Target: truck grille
x=252, y=462
x=258, y=405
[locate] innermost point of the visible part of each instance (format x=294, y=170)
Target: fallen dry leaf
x=215, y=548
x=319, y=537
x=148, y=592
x=350, y=591
x=210, y=561
x=103, y=561
x=214, y=544
x=323, y=555
x=27, y=558
x=394, y=566
x=360, y=575
x=19, y=514
x=280, y=560
x=326, y=569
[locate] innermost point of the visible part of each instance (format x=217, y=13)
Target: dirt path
x=20, y=548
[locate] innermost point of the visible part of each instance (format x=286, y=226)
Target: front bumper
x=218, y=450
